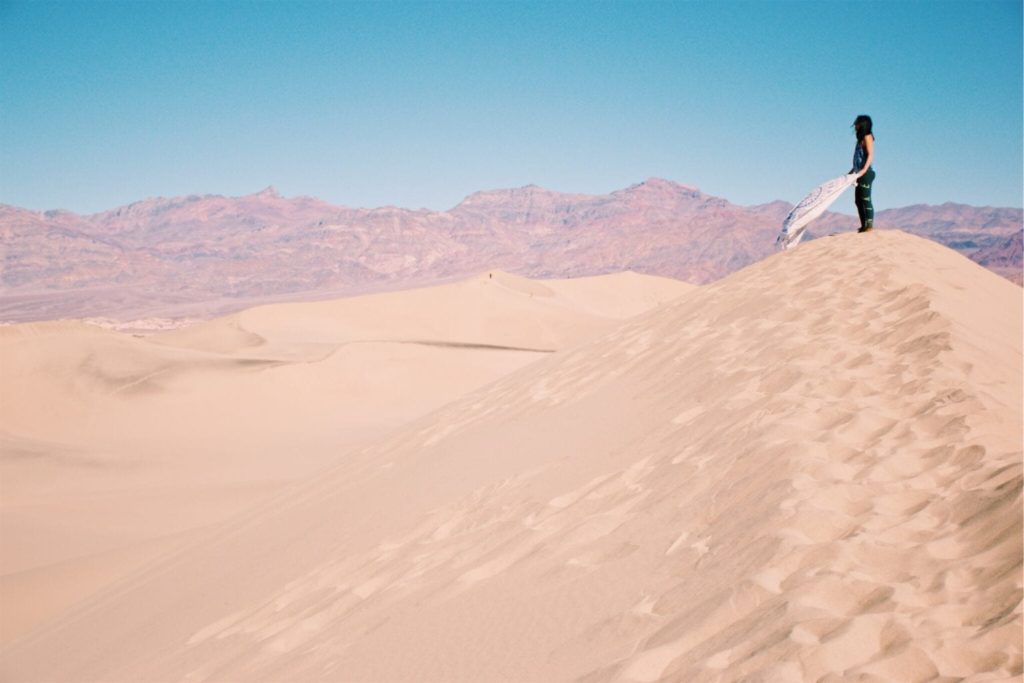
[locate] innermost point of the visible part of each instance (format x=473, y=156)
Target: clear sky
x=419, y=104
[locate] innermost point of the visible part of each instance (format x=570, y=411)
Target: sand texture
x=807, y=471
x=117, y=449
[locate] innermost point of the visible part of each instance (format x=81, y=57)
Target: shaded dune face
x=810, y=470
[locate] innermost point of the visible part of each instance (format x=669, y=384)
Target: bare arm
x=869, y=146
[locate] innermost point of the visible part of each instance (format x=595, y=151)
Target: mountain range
x=200, y=255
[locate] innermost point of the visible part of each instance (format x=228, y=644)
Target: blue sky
x=419, y=104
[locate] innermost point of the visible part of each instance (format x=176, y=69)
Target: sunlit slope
x=810, y=468
x=114, y=448
x=492, y=310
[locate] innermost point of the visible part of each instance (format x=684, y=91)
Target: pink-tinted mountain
x=213, y=253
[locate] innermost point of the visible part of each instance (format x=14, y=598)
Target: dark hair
x=862, y=126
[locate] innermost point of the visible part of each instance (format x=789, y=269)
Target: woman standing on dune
x=863, y=155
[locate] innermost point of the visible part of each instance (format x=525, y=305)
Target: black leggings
x=862, y=197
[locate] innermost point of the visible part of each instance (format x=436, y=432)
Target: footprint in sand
x=702, y=546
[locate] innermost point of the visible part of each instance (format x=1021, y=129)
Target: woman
x=863, y=155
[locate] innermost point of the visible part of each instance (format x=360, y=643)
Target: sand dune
x=494, y=309
x=115, y=447
x=808, y=471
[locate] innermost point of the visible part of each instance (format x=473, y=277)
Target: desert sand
x=117, y=449
x=807, y=471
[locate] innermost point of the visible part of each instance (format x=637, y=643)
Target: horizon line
x=271, y=190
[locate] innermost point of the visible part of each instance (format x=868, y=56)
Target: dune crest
x=810, y=470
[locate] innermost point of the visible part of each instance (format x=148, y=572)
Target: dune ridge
x=808, y=471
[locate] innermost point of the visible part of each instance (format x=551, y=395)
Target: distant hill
x=171, y=255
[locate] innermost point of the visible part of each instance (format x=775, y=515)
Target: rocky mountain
x=173, y=255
